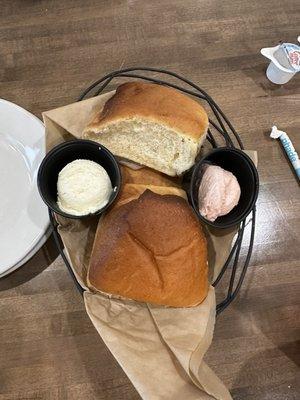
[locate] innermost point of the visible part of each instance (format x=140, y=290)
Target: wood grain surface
x=49, y=52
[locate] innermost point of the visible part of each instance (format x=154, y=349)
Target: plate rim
x=40, y=238
x=30, y=254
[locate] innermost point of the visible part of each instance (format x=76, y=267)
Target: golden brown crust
x=132, y=191
x=151, y=249
x=157, y=103
x=135, y=182
x=148, y=176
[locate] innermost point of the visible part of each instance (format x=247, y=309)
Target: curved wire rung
x=223, y=127
x=60, y=247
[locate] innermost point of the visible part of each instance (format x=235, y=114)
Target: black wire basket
x=219, y=128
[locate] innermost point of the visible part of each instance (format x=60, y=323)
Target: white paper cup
x=278, y=75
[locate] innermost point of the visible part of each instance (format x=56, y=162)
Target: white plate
x=32, y=252
x=23, y=215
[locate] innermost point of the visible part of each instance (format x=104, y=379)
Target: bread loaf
x=147, y=176
x=151, y=124
x=151, y=249
x=132, y=191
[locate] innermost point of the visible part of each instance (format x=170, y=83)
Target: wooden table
x=49, y=52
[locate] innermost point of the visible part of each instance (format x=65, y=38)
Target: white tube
x=288, y=147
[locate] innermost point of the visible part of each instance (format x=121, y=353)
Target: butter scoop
x=83, y=187
x=219, y=192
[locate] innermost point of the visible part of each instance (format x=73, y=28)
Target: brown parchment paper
x=160, y=349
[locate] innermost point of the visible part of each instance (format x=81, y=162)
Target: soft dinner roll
x=151, y=249
x=151, y=124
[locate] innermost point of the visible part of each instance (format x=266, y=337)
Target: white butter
x=83, y=187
